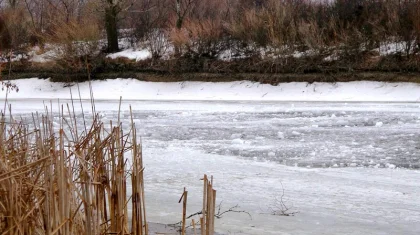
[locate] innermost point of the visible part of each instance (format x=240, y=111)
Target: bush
x=76, y=43
x=19, y=28
x=205, y=38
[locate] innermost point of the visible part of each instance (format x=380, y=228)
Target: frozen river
x=346, y=168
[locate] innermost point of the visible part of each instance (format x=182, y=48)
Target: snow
x=237, y=141
x=332, y=57
x=295, y=133
x=226, y=55
x=347, y=177
x=131, y=54
x=47, y=54
x=390, y=48
x=131, y=89
x=236, y=136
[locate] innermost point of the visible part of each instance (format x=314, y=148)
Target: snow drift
x=131, y=89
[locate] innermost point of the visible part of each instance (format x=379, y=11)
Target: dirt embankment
x=252, y=69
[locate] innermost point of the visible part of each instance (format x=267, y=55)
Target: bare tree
x=113, y=10
x=182, y=7
x=150, y=19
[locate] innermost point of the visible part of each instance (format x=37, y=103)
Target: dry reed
x=209, y=207
x=62, y=180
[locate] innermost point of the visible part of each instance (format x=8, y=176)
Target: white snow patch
x=379, y=124
x=332, y=57
x=391, y=166
x=295, y=133
x=238, y=141
x=389, y=48
x=132, y=89
x=132, y=54
x=236, y=136
x=41, y=56
x=280, y=135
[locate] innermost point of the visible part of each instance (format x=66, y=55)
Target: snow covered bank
x=131, y=89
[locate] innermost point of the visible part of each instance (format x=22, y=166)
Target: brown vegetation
x=261, y=36
x=68, y=180
x=276, y=23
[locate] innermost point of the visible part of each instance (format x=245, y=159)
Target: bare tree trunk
x=13, y=4
x=178, y=14
x=178, y=24
x=111, y=13
x=5, y=38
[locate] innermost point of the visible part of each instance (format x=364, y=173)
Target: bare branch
x=279, y=207
x=218, y=215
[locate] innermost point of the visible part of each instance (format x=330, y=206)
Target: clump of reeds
x=207, y=214
x=209, y=207
x=58, y=179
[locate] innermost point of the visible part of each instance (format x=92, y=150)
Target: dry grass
x=203, y=38
x=250, y=28
x=75, y=43
x=18, y=26
x=54, y=181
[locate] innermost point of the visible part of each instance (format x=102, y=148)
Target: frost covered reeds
x=58, y=178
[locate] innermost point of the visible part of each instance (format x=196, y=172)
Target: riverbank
x=273, y=79
x=133, y=89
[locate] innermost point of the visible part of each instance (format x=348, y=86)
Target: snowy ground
x=131, y=89
x=343, y=166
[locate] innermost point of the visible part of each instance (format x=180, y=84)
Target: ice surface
x=355, y=184
x=342, y=173
x=299, y=133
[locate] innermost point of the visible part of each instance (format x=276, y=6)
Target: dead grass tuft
x=59, y=178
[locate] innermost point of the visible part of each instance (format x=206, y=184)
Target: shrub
x=203, y=38
x=76, y=43
x=19, y=28
x=250, y=28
